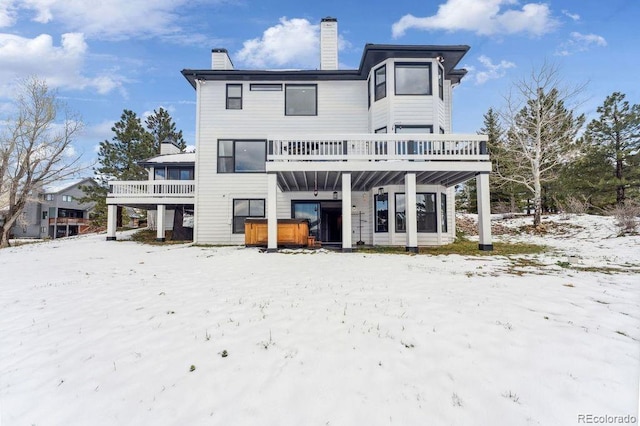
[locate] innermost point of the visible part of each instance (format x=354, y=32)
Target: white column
x=272, y=212
x=439, y=216
x=160, y=221
x=346, y=212
x=410, y=212
x=484, y=212
x=112, y=221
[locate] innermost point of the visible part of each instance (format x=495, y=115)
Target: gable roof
x=372, y=55
x=65, y=184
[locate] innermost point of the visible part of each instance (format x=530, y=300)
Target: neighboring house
x=55, y=212
x=366, y=155
x=168, y=194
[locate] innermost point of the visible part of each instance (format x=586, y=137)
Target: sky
x=104, y=57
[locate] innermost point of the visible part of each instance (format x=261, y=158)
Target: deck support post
x=346, y=213
x=484, y=212
x=112, y=220
x=160, y=221
x=411, y=216
x=272, y=213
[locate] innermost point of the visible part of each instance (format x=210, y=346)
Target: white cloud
x=580, y=43
x=573, y=16
x=61, y=66
x=293, y=42
x=488, y=70
x=7, y=13
x=105, y=19
x=484, y=17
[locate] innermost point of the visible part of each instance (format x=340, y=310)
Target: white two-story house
x=366, y=155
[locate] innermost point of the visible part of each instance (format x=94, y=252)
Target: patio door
x=310, y=211
x=325, y=219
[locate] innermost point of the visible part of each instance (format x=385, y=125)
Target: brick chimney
x=329, y=44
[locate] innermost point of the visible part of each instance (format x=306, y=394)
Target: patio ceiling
x=365, y=180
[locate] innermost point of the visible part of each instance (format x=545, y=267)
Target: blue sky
x=106, y=56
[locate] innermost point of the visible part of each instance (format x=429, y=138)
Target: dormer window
x=413, y=79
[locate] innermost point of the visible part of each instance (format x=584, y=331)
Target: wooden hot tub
x=291, y=232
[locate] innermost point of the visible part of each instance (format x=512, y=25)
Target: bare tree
x=35, y=149
x=541, y=131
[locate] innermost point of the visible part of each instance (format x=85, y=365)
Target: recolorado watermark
x=607, y=419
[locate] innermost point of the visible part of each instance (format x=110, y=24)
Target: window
x=369, y=92
x=244, y=208
x=380, y=81
x=159, y=173
x=49, y=197
x=44, y=215
x=419, y=128
x=382, y=212
x=301, y=99
x=401, y=214
x=180, y=173
x=234, y=96
x=441, y=82
x=382, y=130
x=443, y=211
x=413, y=79
x=425, y=212
x=67, y=198
x=265, y=87
x=241, y=156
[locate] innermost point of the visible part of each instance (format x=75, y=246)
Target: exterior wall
x=28, y=225
x=342, y=108
x=408, y=109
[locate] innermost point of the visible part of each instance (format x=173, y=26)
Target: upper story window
x=173, y=173
x=441, y=82
x=380, y=81
x=414, y=128
x=301, y=99
x=67, y=198
x=234, y=96
x=241, y=156
x=413, y=79
x=265, y=87
x=49, y=197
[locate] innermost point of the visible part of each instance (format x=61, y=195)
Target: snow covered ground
x=117, y=333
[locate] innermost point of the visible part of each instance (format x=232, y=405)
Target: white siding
x=342, y=107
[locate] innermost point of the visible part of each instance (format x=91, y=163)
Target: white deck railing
x=152, y=188
x=378, y=146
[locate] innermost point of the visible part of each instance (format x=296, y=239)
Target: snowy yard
x=117, y=333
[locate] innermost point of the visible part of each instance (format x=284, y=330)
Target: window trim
x=265, y=87
x=369, y=92
x=315, y=88
x=383, y=84
x=233, y=213
x=379, y=130
x=414, y=65
x=229, y=98
x=233, y=156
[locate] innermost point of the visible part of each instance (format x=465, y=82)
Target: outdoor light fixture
x=353, y=208
x=335, y=195
x=380, y=191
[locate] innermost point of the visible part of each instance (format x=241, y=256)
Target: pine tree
x=615, y=137
x=161, y=126
x=118, y=160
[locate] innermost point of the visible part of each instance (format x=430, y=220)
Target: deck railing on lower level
x=68, y=221
x=378, y=146
x=152, y=188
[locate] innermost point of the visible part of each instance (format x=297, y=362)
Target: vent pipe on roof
x=329, y=44
x=220, y=60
